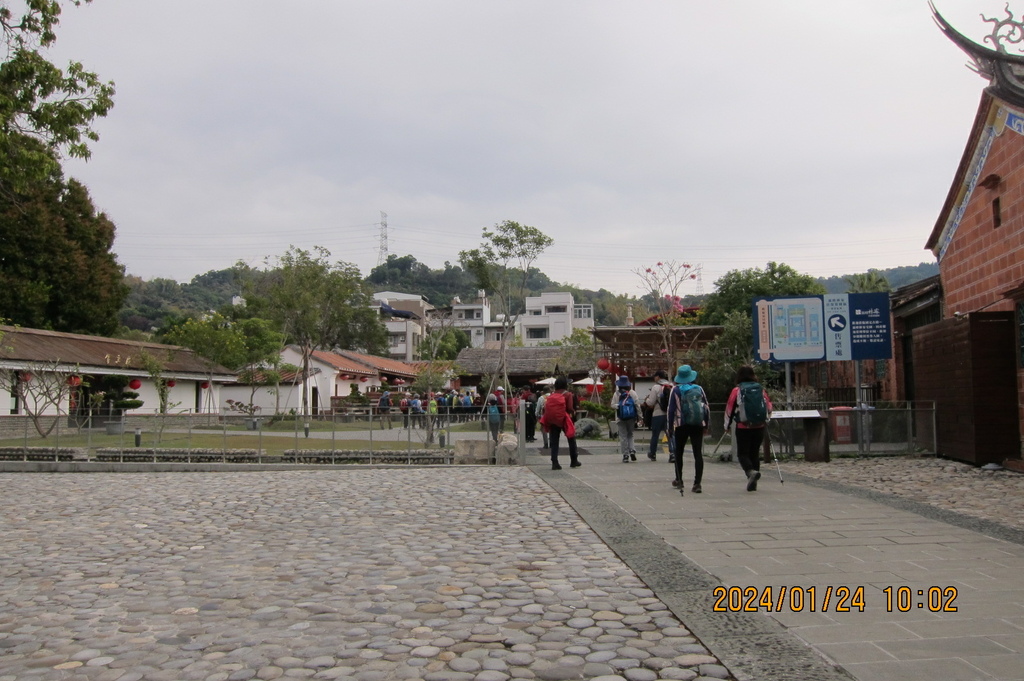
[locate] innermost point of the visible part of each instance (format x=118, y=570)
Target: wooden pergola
x=639, y=351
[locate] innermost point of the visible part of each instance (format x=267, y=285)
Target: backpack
x=385, y=401
x=493, y=414
x=666, y=392
x=627, y=408
x=750, y=404
x=692, y=406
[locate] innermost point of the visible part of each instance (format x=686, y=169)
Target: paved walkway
x=487, y=574
x=808, y=533
x=441, y=574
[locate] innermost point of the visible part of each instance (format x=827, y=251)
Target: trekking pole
x=728, y=428
x=771, y=449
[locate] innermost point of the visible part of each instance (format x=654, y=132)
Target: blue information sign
x=833, y=327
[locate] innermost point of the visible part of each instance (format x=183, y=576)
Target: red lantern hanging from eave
x=74, y=381
x=135, y=384
x=603, y=364
x=363, y=379
x=204, y=385
x=171, y=383
x=25, y=377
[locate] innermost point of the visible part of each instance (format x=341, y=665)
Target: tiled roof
x=96, y=353
x=521, y=361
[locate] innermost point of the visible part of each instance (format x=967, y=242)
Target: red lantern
x=171, y=383
x=345, y=377
x=135, y=384
x=603, y=364
x=26, y=377
x=363, y=379
x=74, y=381
x=384, y=379
x=204, y=385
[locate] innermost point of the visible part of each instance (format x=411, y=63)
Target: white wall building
x=552, y=317
x=405, y=316
x=473, y=318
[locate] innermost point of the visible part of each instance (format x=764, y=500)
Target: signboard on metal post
x=833, y=327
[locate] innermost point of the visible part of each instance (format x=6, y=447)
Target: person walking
x=384, y=409
x=530, y=400
x=558, y=409
x=657, y=402
x=542, y=397
x=627, y=407
x=492, y=414
x=750, y=407
x=688, y=417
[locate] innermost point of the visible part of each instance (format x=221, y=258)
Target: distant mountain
x=896, y=276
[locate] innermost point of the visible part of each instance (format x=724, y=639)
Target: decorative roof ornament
x=1003, y=69
x=1005, y=32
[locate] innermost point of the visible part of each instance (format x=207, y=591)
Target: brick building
x=970, y=360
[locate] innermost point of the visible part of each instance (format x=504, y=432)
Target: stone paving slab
x=481, y=574
x=895, y=542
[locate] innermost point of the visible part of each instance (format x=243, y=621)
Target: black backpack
x=666, y=392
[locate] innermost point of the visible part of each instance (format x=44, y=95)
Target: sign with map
x=833, y=327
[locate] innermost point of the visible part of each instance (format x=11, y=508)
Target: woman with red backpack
x=557, y=419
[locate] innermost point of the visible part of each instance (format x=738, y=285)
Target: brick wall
x=983, y=260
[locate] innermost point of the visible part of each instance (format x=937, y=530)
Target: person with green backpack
x=688, y=418
x=750, y=407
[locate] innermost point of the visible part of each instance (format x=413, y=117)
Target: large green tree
x=319, y=305
x=45, y=111
x=57, y=270
x=872, y=281
x=736, y=290
x=502, y=264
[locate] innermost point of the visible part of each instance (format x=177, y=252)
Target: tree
x=45, y=111
x=721, y=358
x=736, y=290
x=665, y=282
x=215, y=341
x=872, y=281
x=502, y=264
x=42, y=388
x=57, y=270
x=318, y=305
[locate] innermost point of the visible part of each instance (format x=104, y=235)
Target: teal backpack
x=751, y=405
x=692, y=407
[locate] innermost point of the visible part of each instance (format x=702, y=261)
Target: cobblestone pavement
x=950, y=485
x=479, y=574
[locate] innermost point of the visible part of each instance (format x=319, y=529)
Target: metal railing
x=354, y=436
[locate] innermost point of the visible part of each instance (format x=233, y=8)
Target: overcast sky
x=727, y=134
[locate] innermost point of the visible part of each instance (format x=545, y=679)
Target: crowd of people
x=677, y=409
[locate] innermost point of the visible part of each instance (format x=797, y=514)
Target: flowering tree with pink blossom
x=665, y=282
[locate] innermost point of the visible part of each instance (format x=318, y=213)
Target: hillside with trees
x=159, y=303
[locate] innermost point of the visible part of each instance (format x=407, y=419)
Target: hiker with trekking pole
x=688, y=417
x=750, y=407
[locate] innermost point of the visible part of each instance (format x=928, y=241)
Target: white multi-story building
x=474, y=318
x=406, y=321
x=551, y=317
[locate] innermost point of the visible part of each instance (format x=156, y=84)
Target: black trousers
x=553, y=435
x=748, y=446
x=695, y=434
